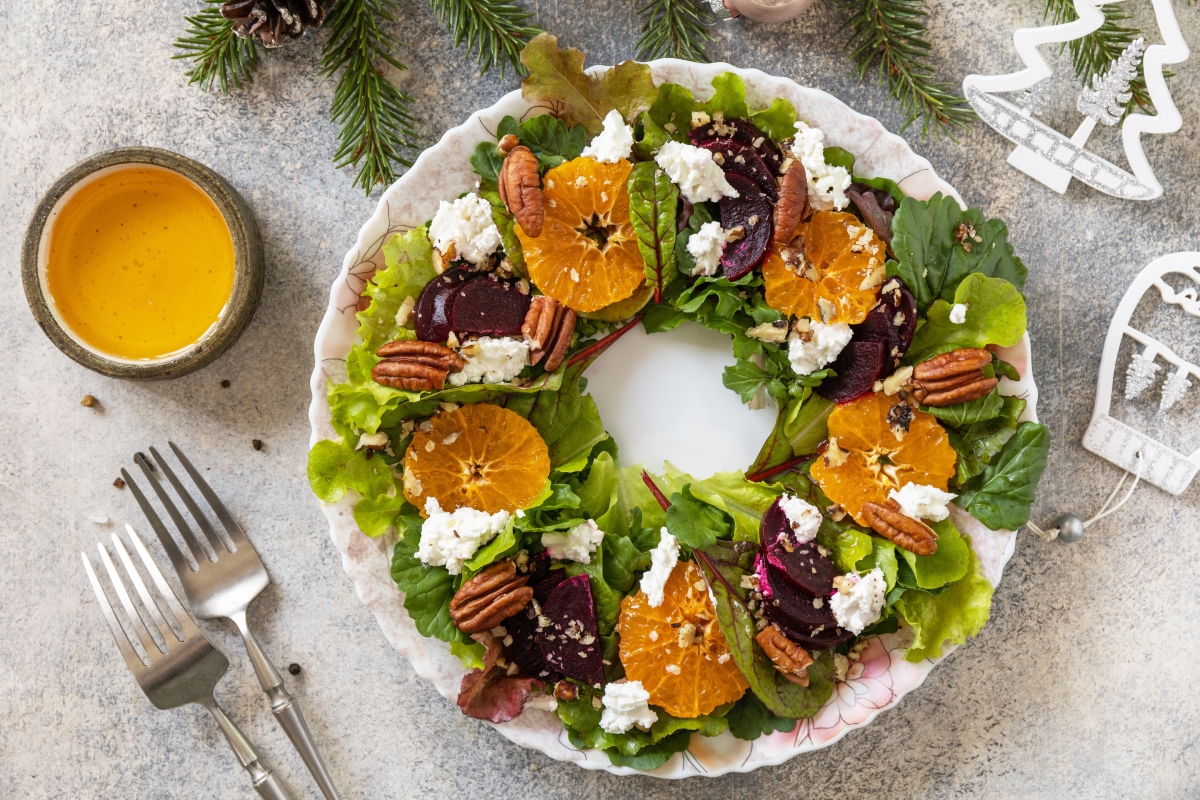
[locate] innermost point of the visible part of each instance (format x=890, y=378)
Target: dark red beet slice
x=434, y=304
x=752, y=210
x=744, y=160
x=489, y=306
x=858, y=366
x=739, y=130
x=571, y=643
x=802, y=565
x=896, y=303
x=525, y=651
x=803, y=618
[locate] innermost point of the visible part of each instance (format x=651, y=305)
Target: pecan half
x=489, y=598
x=792, y=206
x=889, y=522
x=521, y=189
x=415, y=366
x=953, y=378
x=549, y=327
x=788, y=657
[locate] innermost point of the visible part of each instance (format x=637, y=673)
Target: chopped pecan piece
x=549, y=327
x=566, y=691
x=953, y=378
x=792, y=207
x=414, y=365
x=521, y=189
x=788, y=657
x=489, y=598
x=507, y=143
x=889, y=522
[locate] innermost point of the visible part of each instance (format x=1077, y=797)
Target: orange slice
x=839, y=255
x=677, y=650
x=587, y=254
x=876, y=460
x=480, y=456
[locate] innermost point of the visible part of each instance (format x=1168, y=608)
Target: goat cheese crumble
x=823, y=346
x=449, y=539
x=626, y=705
x=577, y=544
x=613, y=143
x=467, y=224
x=803, y=518
x=706, y=246
x=491, y=361
x=958, y=314
x=693, y=170
x=827, y=184
x=858, y=600
x=922, y=502
x=663, y=559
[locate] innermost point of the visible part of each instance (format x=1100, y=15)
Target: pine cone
x=271, y=20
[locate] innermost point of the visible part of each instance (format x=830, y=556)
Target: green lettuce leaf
x=744, y=501
x=694, y=522
x=851, y=547
x=427, y=590
x=953, y=615
x=729, y=97
x=409, y=267
x=471, y=655
x=885, y=184
x=948, y=563
x=685, y=261
x=778, y=121
x=598, y=492
x=629, y=86
x=567, y=420
x=883, y=558
x=806, y=423
x=652, y=203
x=503, y=544
x=995, y=315
x=750, y=719
x=375, y=516
x=335, y=468
x=506, y=224
x=837, y=157
x=672, y=111
x=632, y=496
x=622, y=559
x=1001, y=497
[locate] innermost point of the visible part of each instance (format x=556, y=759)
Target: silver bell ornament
x=1070, y=528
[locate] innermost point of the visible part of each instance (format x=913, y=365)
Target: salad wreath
x=644, y=608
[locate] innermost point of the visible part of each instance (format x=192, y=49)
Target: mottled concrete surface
x=1078, y=687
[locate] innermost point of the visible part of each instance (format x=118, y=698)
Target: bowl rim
x=249, y=266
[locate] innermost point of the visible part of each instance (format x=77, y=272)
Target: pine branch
x=220, y=56
x=675, y=29
x=496, y=29
x=375, y=117
x=891, y=32
x=1092, y=54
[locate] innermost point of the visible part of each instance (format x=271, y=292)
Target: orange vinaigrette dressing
x=140, y=263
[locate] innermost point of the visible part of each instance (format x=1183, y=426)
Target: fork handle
x=287, y=711
x=265, y=782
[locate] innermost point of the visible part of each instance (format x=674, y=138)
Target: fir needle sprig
x=891, y=33
x=221, y=57
x=675, y=29
x=496, y=30
x=375, y=117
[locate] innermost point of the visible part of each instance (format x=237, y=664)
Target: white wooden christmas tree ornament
x=1053, y=158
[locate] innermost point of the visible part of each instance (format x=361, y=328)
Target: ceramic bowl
x=880, y=678
x=248, y=269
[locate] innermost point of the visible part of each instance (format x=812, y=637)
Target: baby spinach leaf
x=744, y=501
x=982, y=409
x=995, y=315
x=694, y=522
x=778, y=121
x=881, y=557
x=427, y=590
x=1000, y=498
x=652, y=203
x=976, y=444
x=547, y=137
x=486, y=160
x=750, y=718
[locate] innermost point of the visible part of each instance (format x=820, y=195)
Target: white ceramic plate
x=882, y=676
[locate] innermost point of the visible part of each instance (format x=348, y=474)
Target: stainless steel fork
x=187, y=669
x=222, y=584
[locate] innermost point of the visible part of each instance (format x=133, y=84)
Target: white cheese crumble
x=491, y=361
x=467, y=224
x=706, y=246
x=449, y=539
x=958, y=314
x=803, y=518
x=693, y=170
x=922, y=502
x=822, y=348
x=577, y=544
x=858, y=600
x=827, y=184
x=663, y=559
x=545, y=702
x=613, y=143
x=626, y=705
x=375, y=441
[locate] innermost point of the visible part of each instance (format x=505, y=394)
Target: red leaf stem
x=654, y=490
x=766, y=473
x=602, y=344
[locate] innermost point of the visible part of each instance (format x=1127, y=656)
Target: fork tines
x=208, y=547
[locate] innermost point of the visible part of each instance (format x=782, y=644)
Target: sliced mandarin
x=876, y=460
x=831, y=269
x=480, y=456
x=677, y=650
x=587, y=255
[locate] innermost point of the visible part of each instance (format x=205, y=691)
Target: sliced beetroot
x=804, y=618
x=744, y=160
x=743, y=132
x=751, y=210
x=524, y=651
x=571, y=642
x=489, y=306
x=896, y=305
x=858, y=366
x=432, y=312
x=801, y=564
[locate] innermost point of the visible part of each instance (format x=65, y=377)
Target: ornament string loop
x=1105, y=510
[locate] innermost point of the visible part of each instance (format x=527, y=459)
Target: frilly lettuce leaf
x=953, y=615
x=995, y=315
x=631, y=495
x=778, y=121
x=409, y=267
x=744, y=501
x=729, y=97
x=948, y=564
x=335, y=468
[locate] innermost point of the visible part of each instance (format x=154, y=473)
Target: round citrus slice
x=479, y=456
x=870, y=452
x=677, y=650
x=586, y=256
x=835, y=258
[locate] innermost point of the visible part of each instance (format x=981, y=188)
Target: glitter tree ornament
x=1105, y=101
x=1140, y=374
x=1172, y=392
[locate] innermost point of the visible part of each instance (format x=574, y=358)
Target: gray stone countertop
x=1078, y=687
